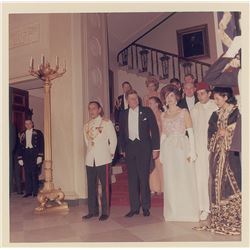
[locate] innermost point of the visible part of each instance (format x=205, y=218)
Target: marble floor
x=25, y=226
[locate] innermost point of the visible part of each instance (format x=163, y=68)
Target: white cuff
x=39, y=160
x=20, y=162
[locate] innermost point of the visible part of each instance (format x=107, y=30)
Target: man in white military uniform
x=200, y=115
x=101, y=141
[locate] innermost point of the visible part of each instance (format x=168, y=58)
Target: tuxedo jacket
x=37, y=141
x=121, y=108
x=183, y=103
x=217, y=78
x=148, y=129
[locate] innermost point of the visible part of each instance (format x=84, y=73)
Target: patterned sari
x=225, y=175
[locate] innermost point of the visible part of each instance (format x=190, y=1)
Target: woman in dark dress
x=225, y=166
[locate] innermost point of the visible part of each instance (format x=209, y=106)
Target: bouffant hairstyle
x=158, y=101
x=166, y=90
x=152, y=80
x=226, y=91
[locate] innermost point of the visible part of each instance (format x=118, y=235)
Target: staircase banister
x=170, y=54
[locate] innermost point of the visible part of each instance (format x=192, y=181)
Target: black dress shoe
x=146, y=212
x=132, y=213
x=103, y=217
x=26, y=195
x=34, y=195
x=20, y=193
x=88, y=216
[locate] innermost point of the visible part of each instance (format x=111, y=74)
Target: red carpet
x=120, y=195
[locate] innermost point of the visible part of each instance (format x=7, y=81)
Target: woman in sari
x=225, y=166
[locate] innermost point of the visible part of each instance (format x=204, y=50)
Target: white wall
x=164, y=37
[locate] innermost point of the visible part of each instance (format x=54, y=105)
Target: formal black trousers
x=17, y=175
x=93, y=174
x=31, y=171
x=138, y=155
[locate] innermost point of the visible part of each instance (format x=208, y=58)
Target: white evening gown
x=180, y=189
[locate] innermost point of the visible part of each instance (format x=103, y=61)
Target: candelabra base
x=56, y=196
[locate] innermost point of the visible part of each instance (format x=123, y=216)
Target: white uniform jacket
x=100, y=138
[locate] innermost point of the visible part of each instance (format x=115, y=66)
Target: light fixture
x=165, y=66
x=144, y=60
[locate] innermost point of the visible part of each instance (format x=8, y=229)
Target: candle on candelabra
x=31, y=62
x=57, y=61
x=64, y=64
x=42, y=60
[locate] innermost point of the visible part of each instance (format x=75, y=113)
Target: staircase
x=146, y=61
x=120, y=196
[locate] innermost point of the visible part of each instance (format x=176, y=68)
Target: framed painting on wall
x=193, y=42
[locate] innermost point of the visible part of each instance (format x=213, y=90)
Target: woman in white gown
x=177, y=154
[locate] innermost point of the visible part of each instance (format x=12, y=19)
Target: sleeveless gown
x=180, y=188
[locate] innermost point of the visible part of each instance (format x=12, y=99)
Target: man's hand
x=156, y=154
x=20, y=162
x=39, y=160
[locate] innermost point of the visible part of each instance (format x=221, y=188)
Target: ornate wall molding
x=25, y=35
x=95, y=46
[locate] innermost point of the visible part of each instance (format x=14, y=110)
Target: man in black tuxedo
x=190, y=98
x=139, y=141
x=121, y=102
x=30, y=155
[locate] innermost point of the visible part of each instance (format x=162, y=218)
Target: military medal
x=92, y=132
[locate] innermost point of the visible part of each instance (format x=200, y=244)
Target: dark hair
x=158, y=101
x=168, y=89
x=126, y=83
x=29, y=119
x=131, y=92
x=99, y=106
x=226, y=91
x=175, y=80
x=191, y=75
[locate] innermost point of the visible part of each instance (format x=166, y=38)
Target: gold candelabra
x=48, y=192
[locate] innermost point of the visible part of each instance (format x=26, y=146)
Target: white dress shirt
x=133, y=124
x=29, y=138
x=125, y=101
x=190, y=102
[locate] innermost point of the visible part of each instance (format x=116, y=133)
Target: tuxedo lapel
x=122, y=103
x=126, y=122
x=140, y=120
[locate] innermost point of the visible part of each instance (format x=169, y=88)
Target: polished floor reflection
x=25, y=226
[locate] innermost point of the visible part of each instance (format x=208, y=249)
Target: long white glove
x=39, y=160
x=192, y=154
x=20, y=162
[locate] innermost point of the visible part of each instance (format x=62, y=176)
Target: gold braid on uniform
x=225, y=217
